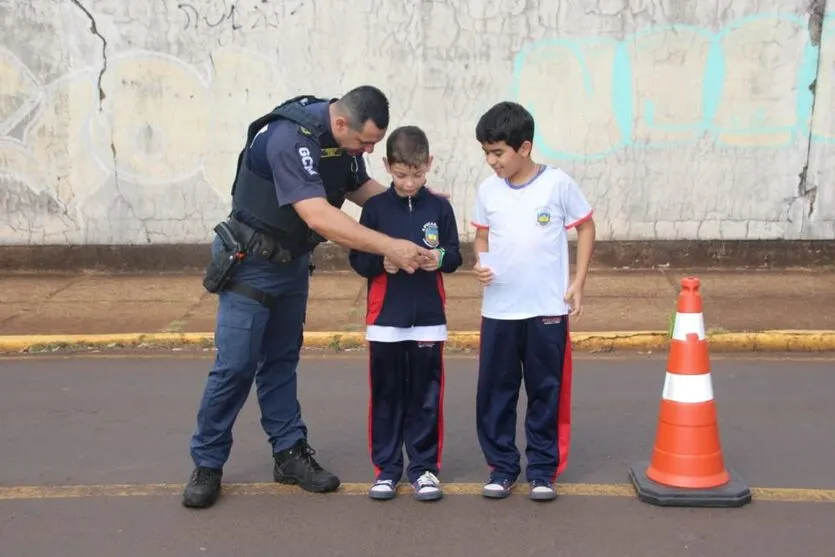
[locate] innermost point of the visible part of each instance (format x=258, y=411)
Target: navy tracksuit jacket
x=406, y=378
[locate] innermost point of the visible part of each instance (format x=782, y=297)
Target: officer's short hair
x=506, y=121
x=364, y=103
x=407, y=145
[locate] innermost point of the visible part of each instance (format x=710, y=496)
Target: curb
x=763, y=341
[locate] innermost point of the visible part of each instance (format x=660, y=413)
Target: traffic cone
x=687, y=468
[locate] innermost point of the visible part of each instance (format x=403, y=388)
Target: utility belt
x=239, y=242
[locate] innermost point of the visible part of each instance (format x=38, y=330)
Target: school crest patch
x=543, y=217
x=430, y=234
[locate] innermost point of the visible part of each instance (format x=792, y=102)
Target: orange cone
x=687, y=467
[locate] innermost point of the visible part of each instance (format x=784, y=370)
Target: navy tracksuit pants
x=406, y=384
x=260, y=344
x=538, y=351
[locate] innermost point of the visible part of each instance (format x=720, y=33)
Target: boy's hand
x=484, y=274
x=431, y=263
x=574, y=298
x=390, y=267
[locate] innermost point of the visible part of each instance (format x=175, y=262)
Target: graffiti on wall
x=168, y=121
x=748, y=85
x=165, y=123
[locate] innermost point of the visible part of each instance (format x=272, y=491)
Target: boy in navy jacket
x=406, y=322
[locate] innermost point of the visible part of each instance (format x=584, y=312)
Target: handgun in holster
x=223, y=262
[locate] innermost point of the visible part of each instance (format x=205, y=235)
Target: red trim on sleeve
x=479, y=226
x=579, y=222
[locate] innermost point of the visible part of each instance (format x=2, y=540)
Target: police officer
x=300, y=163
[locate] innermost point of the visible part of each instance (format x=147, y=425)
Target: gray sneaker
x=383, y=490
x=498, y=488
x=427, y=487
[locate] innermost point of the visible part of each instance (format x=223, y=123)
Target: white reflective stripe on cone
x=688, y=388
x=689, y=323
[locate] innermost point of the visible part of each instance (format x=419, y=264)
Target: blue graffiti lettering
x=747, y=85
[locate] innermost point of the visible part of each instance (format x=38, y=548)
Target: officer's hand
x=443, y=194
x=390, y=267
x=405, y=255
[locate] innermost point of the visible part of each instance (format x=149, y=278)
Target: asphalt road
x=74, y=431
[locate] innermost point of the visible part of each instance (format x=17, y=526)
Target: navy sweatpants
x=406, y=392
x=260, y=344
x=538, y=351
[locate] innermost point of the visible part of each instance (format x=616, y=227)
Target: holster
x=223, y=262
x=258, y=244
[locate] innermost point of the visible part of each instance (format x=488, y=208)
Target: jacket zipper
x=414, y=299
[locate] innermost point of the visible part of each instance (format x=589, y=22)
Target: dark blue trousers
x=255, y=343
x=538, y=351
x=406, y=384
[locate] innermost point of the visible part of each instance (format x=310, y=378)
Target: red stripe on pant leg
x=441, y=410
x=376, y=297
x=564, y=414
x=371, y=414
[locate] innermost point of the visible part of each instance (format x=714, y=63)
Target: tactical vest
x=256, y=195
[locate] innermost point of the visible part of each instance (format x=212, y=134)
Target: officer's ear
x=341, y=125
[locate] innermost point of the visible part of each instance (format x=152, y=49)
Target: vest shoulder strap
x=293, y=110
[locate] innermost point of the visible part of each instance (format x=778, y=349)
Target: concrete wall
x=120, y=122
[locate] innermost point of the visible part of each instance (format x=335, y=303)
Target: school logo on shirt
x=543, y=217
x=430, y=234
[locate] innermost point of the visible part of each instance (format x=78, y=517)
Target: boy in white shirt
x=522, y=215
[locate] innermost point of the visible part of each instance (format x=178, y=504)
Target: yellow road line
x=31, y=492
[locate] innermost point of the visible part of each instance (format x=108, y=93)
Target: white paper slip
x=494, y=263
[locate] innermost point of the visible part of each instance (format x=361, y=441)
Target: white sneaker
x=542, y=490
x=383, y=490
x=427, y=487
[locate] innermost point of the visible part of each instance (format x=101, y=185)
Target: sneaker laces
x=504, y=482
x=428, y=479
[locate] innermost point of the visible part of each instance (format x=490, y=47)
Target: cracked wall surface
x=120, y=122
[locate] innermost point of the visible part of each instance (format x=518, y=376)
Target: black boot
x=297, y=466
x=203, y=488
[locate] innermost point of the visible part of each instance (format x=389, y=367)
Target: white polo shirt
x=528, y=226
